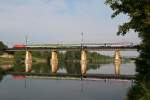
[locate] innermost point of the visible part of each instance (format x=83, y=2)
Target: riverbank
x=13, y=60
x=6, y=60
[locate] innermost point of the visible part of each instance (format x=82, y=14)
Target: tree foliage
x=2, y=47
x=137, y=10
x=139, y=14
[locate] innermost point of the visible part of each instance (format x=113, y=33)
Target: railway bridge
x=84, y=47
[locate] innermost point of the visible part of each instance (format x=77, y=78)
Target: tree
x=139, y=13
x=2, y=47
x=70, y=56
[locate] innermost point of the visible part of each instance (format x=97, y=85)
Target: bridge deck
x=96, y=76
x=89, y=48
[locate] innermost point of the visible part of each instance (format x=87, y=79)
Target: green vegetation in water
x=18, y=67
x=139, y=13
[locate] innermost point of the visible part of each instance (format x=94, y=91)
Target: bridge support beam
x=117, y=61
x=117, y=67
x=83, y=62
x=28, y=61
x=28, y=67
x=28, y=58
x=54, y=61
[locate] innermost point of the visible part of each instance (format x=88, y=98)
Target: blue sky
x=59, y=21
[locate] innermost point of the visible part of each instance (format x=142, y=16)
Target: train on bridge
x=129, y=44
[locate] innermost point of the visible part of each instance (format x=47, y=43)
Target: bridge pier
x=28, y=67
x=117, y=61
x=28, y=58
x=117, y=67
x=83, y=62
x=54, y=61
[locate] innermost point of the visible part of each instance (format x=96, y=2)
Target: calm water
x=45, y=88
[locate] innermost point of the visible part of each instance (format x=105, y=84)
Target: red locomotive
x=19, y=46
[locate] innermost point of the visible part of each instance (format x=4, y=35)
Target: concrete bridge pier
x=28, y=67
x=117, y=62
x=83, y=62
x=28, y=58
x=54, y=61
x=117, y=67
x=28, y=61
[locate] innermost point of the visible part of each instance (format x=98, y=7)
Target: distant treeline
x=69, y=56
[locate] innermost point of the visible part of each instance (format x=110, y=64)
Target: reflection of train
x=18, y=77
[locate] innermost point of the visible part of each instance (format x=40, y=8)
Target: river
x=18, y=87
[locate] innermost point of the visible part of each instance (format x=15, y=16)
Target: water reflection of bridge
x=79, y=76
x=72, y=72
